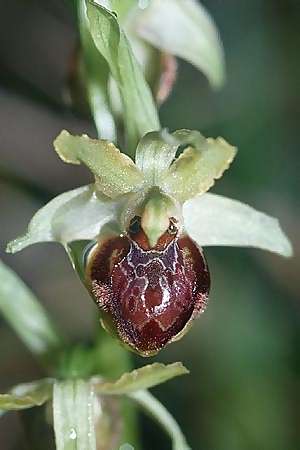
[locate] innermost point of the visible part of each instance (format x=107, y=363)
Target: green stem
x=96, y=74
x=158, y=412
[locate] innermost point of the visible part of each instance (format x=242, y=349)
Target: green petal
x=185, y=29
x=27, y=395
x=75, y=407
x=229, y=222
x=159, y=413
x=196, y=169
x=116, y=174
x=74, y=215
x=96, y=73
x=25, y=314
x=143, y=378
x=140, y=113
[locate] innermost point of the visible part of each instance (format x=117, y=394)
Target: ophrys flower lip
x=148, y=296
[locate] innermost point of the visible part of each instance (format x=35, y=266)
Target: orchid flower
x=136, y=235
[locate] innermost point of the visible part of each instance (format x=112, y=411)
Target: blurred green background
x=243, y=391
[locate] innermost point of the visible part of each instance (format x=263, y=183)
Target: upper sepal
x=155, y=153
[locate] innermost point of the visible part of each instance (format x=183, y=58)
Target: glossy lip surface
x=149, y=294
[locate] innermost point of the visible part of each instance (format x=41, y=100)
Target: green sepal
x=156, y=151
x=71, y=216
x=240, y=225
x=154, y=154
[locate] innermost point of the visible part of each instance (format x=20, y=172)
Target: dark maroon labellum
x=150, y=295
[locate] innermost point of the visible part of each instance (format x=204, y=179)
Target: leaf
x=158, y=412
x=229, y=222
x=184, y=29
x=97, y=74
x=27, y=395
x=74, y=215
x=74, y=412
x=143, y=378
x=196, y=169
x=24, y=313
x=140, y=114
x=116, y=174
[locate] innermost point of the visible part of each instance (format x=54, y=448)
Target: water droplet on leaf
x=73, y=434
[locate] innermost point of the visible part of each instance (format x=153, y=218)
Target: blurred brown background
x=243, y=353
